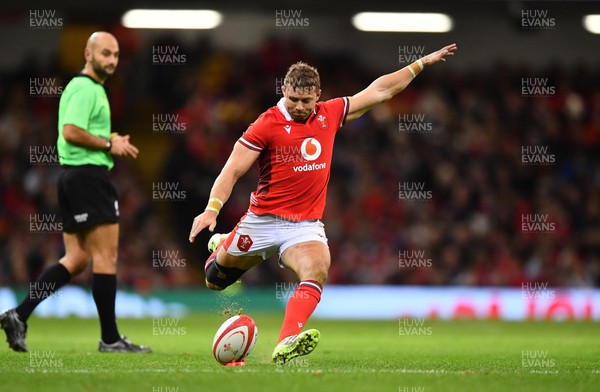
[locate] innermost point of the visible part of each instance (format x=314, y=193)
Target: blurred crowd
x=488, y=161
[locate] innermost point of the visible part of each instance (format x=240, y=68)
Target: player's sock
x=53, y=278
x=299, y=307
x=104, y=291
x=213, y=256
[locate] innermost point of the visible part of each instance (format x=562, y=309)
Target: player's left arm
x=387, y=86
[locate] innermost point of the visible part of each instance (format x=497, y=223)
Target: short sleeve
x=79, y=108
x=256, y=136
x=338, y=108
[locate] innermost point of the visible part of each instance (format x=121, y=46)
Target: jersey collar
x=288, y=117
x=81, y=74
x=283, y=110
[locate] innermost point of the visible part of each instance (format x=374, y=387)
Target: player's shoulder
x=267, y=118
x=332, y=103
x=271, y=114
x=335, y=106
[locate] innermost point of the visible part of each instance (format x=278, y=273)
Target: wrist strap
x=415, y=68
x=214, y=204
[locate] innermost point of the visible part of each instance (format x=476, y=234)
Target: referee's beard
x=103, y=72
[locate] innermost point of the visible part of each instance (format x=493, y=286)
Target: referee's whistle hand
x=122, y=147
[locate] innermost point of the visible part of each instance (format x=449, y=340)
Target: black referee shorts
x=86, y=198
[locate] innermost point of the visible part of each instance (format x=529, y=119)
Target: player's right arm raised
x=240, y=160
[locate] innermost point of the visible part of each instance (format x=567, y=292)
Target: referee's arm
x=118, y=145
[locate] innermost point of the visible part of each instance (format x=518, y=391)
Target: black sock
x=53, y=278
x=104, y=291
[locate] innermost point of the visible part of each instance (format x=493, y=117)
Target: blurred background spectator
x=470, y=159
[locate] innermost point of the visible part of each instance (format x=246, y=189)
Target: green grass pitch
x=352, y=356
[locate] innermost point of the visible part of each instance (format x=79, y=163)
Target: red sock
x=211, y=258
x=299, y=308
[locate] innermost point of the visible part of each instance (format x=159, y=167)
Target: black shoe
x=15, y=330
x=123, y=345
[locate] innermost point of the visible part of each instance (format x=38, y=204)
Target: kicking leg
x=310, y=262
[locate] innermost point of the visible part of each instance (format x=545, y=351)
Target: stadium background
x=186, y=109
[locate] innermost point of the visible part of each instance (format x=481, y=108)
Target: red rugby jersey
x=295, y=159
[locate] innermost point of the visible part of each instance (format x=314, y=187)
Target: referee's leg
x=103, y=243
x=76, y=258
x=57, y=275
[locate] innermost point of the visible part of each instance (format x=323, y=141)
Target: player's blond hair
x=302, y=76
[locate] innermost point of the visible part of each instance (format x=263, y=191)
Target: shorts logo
x=79, y=218
x=244, y=243
x=310, y=149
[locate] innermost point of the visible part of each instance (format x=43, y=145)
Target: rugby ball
x=235, y=339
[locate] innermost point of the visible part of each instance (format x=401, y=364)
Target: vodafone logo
x=310, y=149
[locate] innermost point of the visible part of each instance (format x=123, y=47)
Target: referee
x=87, y=199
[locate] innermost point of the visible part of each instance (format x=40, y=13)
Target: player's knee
x=105, y=263
x=321, y=276
x=317, y=273
x=219, y=277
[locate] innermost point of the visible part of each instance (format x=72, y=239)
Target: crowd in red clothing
x=505, y=186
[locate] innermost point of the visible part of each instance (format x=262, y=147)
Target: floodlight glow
x=592, y=23
x=402, y=22
x=171, y=19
